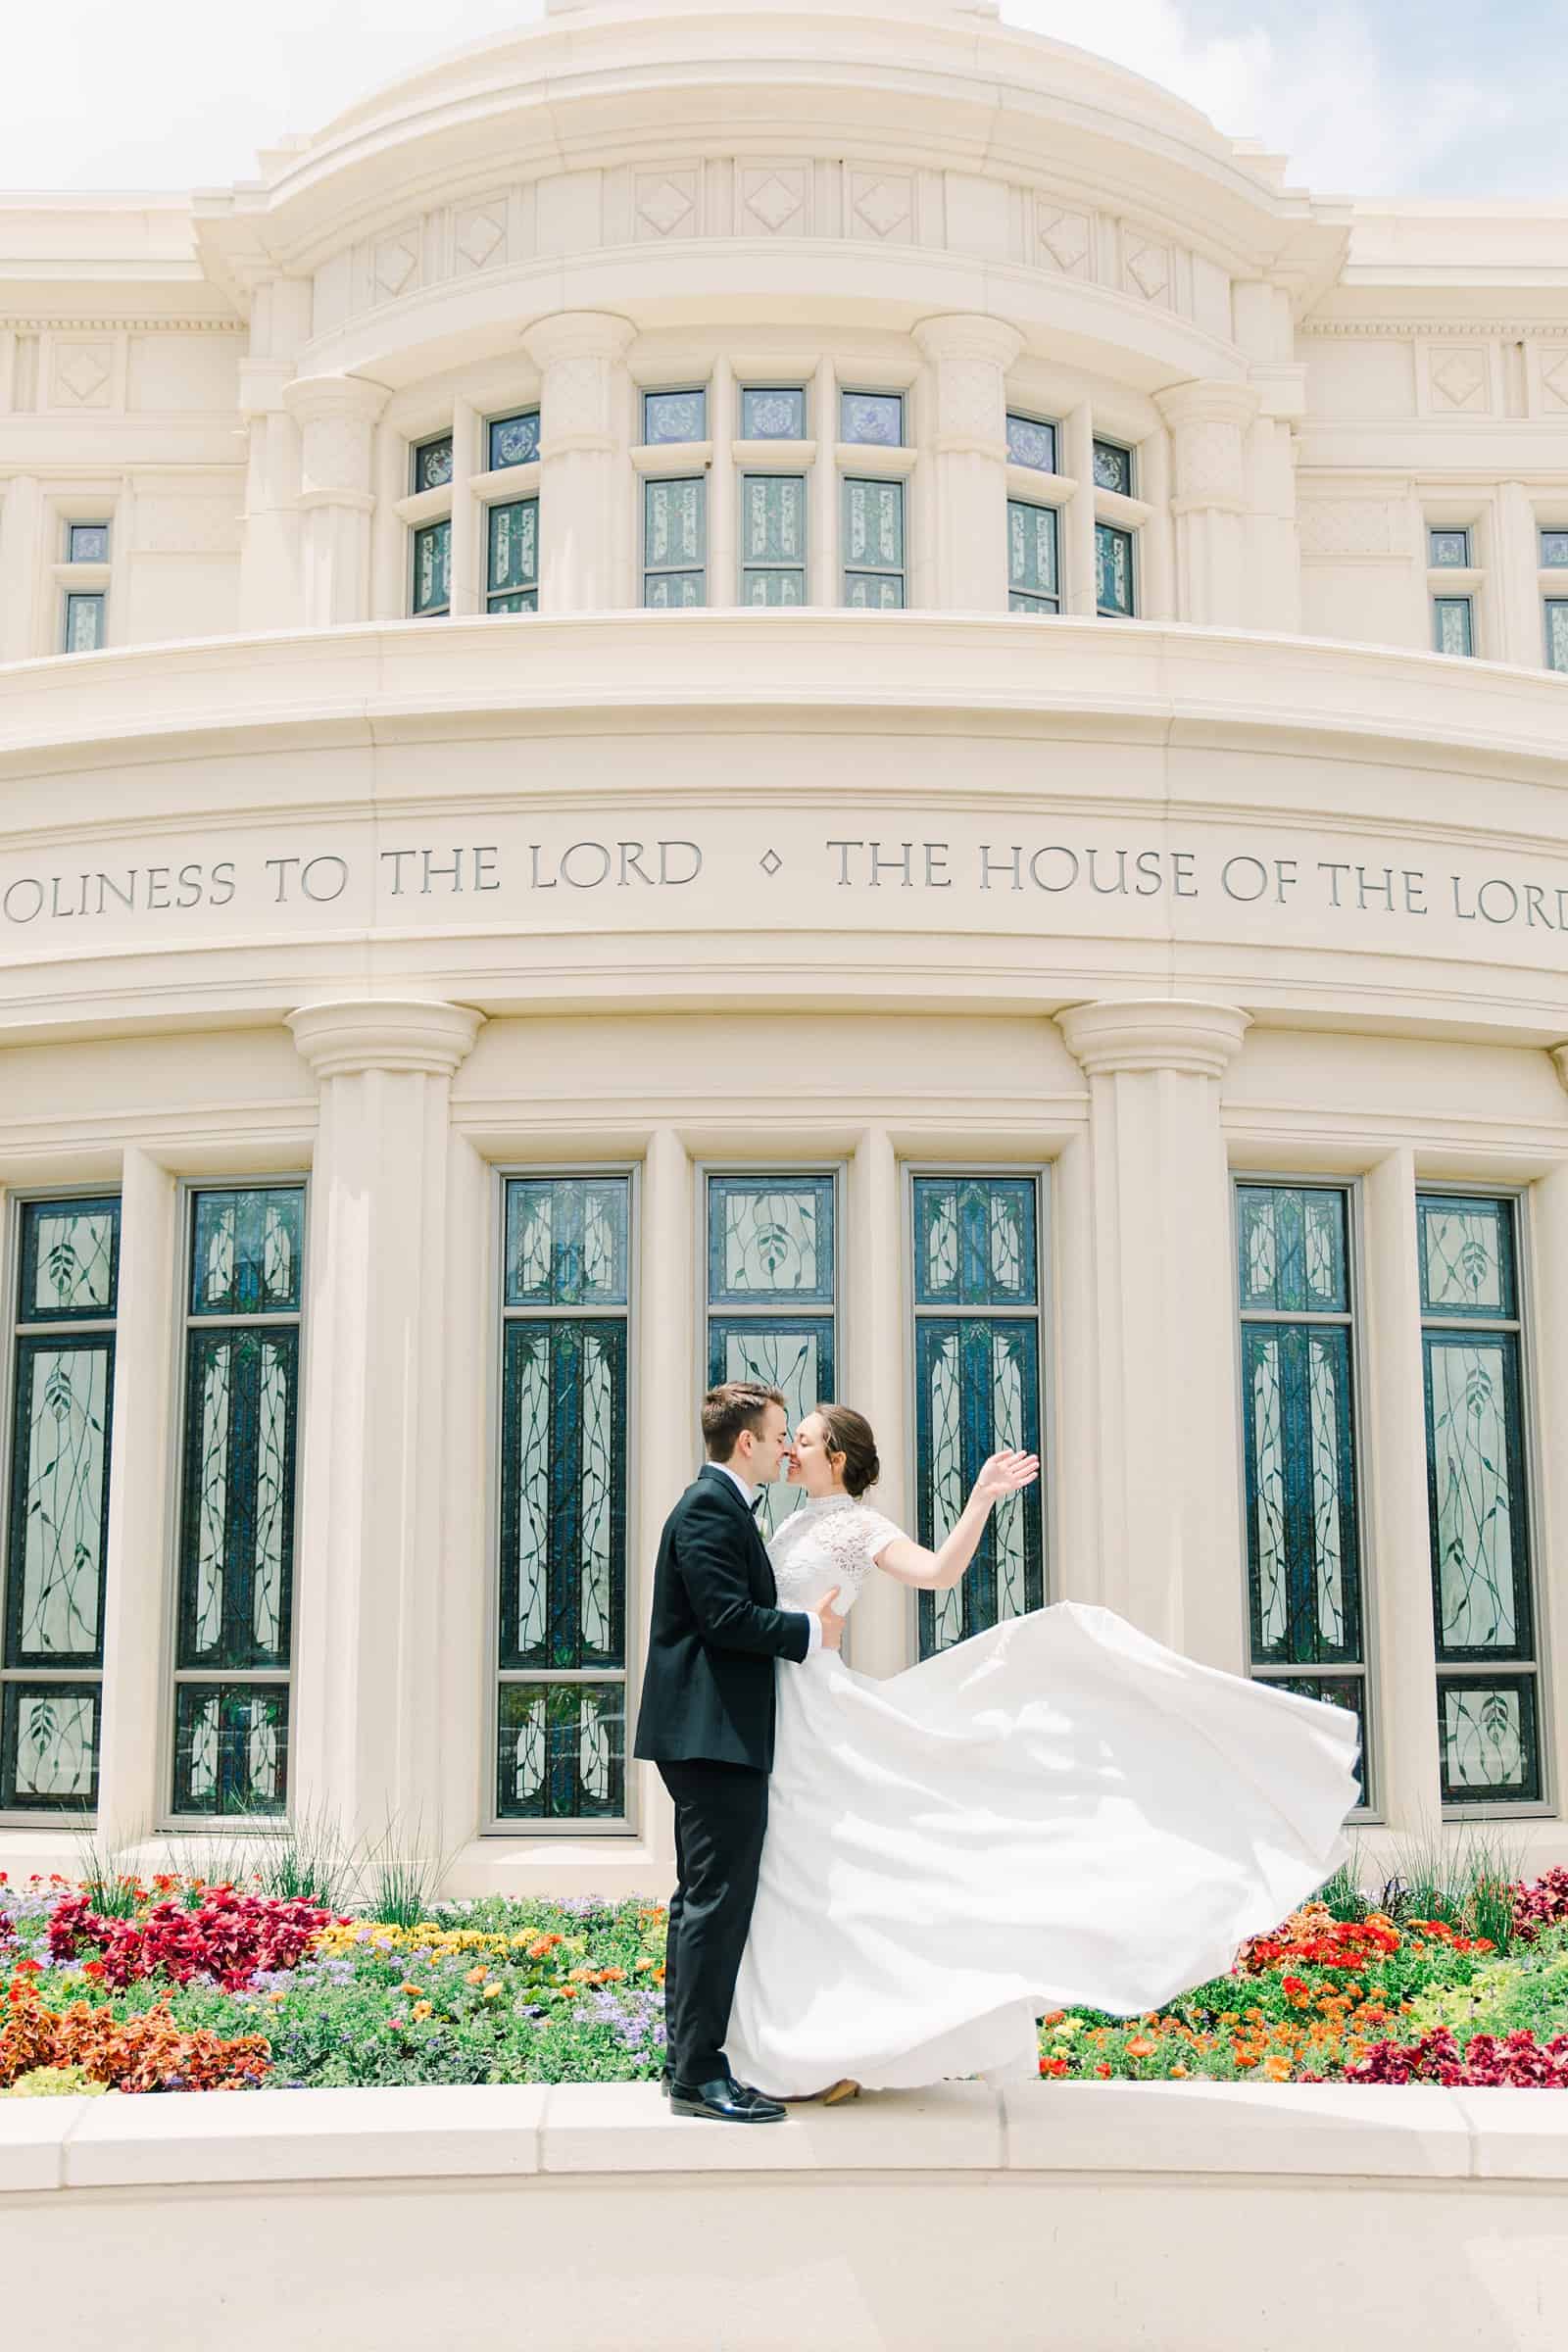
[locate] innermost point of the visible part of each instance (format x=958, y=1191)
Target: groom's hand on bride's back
x=831, y=1622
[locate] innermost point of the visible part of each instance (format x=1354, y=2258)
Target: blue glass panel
x=1476, y=1495
x=1032, y=550
x=1556, y=634
x=1466, y=1256
x=1113, y=572
x=70, y=1261
x=772, y=414
x=873, y=592
x=1489, y=1740
x=512, y=547
x=1553, y=550
x=1030, y=443
x=566, y=1241
x=1452, y=625
x=561, y=1751
x=88, y=543
x=773, y=519
x=1449, y=551
x=774, y=588
x=236, y=1540
x=84, y=624
x=769, y=1237
x=794, y=1353
x=873, y=526
x=974, y=1241
x=514, y=440
x=432, y=463
x=675, y=417
x=230, y=1747
x=1113, y=468
x=1302, y=1538
x=520, y=600
x=248, y=1251
x=59, y=1523
x=1293, y=1249
x=674, y=543
x=432, y=569
x=977, y=1390
x=49, y=1747
x=563, y=1494
x=876, y=418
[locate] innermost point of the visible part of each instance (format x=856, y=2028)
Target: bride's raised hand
x=1006, y=1474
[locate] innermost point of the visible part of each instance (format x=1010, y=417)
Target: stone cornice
x=1465, y=327
x=346, y=1037
x=1159, y=1033
x=98, y=324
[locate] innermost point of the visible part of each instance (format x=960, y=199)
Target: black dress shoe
x=665, y=2081
x=724, y=2102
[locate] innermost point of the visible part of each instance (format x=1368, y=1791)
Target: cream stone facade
x=758, y=688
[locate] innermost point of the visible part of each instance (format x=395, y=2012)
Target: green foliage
x=57, y=2083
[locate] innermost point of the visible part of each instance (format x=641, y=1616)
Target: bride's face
x=811, y=1465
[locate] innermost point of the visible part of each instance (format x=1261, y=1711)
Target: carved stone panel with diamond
x=881, y=207
x=395, y=263
x=775, y=199
x=82, y=376
x=665, y=204
x=1147, y=269
x=1458, y=376
x=1065, y=240
x=480, y=235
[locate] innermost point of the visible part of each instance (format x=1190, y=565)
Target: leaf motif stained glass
x=561, y=1751
x=795, y=1355
x=1488, y=1742
x=1291, y=1244
x=69, y=1260
x=1466, y=1256
x=770, y=1238
x=563, y=1494
x=230, y=1747
x=60, y=1500
x=1557, y=633
x=975, y=1241
x=49, y=1746
x=433, y=567
x=248, y=1253
x=1113, y=572
x=85, y=623
x=773, y=517
x=1032, y=551
x=873, y=525
x=1481, y=1567
x=566, y=1241
x=977, y=1389
x=1453, y=624
x=237, y=1521
x=512, y=547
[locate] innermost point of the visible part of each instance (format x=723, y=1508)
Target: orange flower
x=408, y=1988
x=492, y=1992
x=475, y=1976
x=1103, y=2071
x=1052, y=2017
x=1278, y=2070
x=1142, y=2048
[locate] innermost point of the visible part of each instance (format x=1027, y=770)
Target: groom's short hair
x=734, y=1406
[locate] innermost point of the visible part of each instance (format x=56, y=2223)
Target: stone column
x=371, y=1555
x=270, y=590
x=1209, y=424
x=336, y=416
x=581, y=355
x=880, y=1636
x=969, y=358
x=1166, y=1369
x=21, y=523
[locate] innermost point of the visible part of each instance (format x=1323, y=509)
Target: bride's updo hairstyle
x=850, y=1432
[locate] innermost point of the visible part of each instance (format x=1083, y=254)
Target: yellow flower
x=477, y=1976
x=421, y=2010
x=492, y=1992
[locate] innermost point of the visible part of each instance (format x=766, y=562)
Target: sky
x=1367, y=97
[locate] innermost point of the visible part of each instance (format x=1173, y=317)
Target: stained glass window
x=432, y=569
x=1453, y=624
x=1449, y=551
x=676, y=543
x=1115, y=589
x=977, y=1357
x=675, y=417
x=773, y=1290
x=876, y=418
x=84, y=624
x=1478, y=1498
x=1033, y=584
x=562, y=1608
x=513, y=440
x=773, y=413
x=87, y=542
x=1031, y=443
x=1556, y=633
x=772, y=538
x=1113, y=468
x=1298, y=1442
x=512, y=557
x=432, y=463
x=233, y=1634
x=873, y=545
x=1553, y=550
x=57, y=1520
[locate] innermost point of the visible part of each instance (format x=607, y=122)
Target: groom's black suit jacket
x=716, y=1629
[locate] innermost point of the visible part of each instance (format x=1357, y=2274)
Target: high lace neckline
x=822, y=1503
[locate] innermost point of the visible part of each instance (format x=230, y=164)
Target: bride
x=1057, y=1811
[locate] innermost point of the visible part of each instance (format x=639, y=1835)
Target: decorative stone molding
x=1159, y=1033
x=1208, y=422
x=970, y=355
x=337, y=414
x=342, y=1038
x=576, y=353
x=1559, y=1056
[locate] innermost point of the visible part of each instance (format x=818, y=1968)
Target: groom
x=706, y=1720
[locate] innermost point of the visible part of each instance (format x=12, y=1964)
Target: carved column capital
x=1560, y=1056
x=577, y=335
x=1208, y=424
x=349, y=1035
x=1157, y=1033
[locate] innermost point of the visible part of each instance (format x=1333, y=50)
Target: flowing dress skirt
x=1059, y=1811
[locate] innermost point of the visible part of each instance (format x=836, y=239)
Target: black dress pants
x=720, y=1817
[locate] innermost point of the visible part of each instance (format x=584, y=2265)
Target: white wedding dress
x=1057, y=1811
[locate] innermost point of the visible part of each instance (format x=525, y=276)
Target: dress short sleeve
x=874, y=1531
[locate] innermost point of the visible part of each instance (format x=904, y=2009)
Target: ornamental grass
x=187, y=1984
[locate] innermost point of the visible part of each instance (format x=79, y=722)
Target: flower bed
x=180, y=1985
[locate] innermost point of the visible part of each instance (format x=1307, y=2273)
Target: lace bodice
x=831, y=1539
